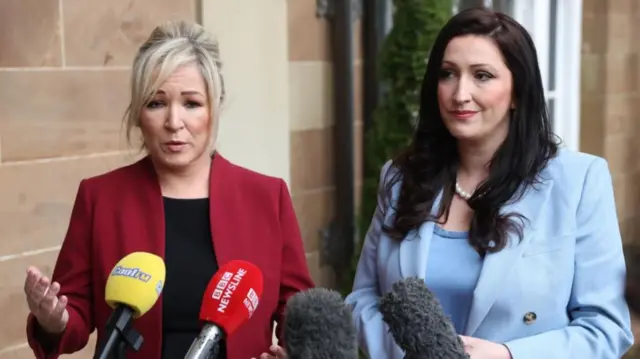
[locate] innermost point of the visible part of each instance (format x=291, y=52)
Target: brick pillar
x=611, y=100
x=312, y=126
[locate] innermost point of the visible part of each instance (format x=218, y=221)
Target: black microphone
x=418, y=324
x=318, y=325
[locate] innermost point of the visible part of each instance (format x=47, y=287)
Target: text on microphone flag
x=251, y=301
x=226, y=287
x=134, y=273
x=232, y=296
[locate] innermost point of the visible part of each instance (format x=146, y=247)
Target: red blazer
x=114, y=214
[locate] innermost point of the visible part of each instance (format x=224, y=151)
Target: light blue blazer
x=569, y=270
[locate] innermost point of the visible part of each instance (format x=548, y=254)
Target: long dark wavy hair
x=430, y=163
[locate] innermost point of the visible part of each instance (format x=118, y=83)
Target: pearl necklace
x=460, y=192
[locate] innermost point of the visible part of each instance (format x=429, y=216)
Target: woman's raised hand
x=44, y=303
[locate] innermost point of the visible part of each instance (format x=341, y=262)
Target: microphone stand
x=122, y=335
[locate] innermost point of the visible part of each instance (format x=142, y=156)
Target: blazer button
x=529, y=318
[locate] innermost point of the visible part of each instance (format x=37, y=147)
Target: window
x=505, y=6
x=555, y=26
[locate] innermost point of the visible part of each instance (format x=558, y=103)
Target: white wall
x=254, y=128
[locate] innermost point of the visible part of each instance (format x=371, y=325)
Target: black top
x=190, y=263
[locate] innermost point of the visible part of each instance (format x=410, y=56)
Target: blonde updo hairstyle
x=170, y=46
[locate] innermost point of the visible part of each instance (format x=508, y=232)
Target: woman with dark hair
x=517, y=238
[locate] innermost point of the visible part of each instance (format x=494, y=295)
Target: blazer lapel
x=149, y=233
x=497, y=266
x=221, y=206
x=414, y=248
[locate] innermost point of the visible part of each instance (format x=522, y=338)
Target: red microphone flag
x=232, y=296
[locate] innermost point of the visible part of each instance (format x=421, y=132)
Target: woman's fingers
x=33, y=275
x=279, y=352
x=57, y=315
x=36, y=287
x=40, y=289
x=50, y=299
x=30, y=283
x=43, y=301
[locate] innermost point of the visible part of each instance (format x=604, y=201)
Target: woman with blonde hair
x=183, y=202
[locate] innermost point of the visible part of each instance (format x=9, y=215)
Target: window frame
x=535, y=16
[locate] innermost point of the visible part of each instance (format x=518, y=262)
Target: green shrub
x=403, y=58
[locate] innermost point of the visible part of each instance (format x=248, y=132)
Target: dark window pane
x=552, y=111
x=553, y=30
x=505, y=6
x=466, y=4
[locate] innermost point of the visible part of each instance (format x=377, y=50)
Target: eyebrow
x=184, y=93
x=445, y=62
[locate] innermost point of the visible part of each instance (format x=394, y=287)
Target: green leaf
x=403, y=58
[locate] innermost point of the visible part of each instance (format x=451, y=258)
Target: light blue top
x=453, y=268
x=569, y=270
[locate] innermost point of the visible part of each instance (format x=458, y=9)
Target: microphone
x=133, y=287
x=417, y=322
x=231, y=298
x=319, y=325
